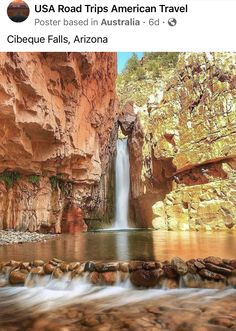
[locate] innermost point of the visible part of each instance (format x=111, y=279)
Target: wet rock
x=57, y=273
x=94, y=277
x=199, y=265
x=226, y=321
x=179, y=266
x=54, y=263
x=146, y=278
x=25, y=265
x=124, y=266
x=38, y=263
x=89, y=266
x=73, y=266
x=103, y=267
x=191, y=281
x=18, y=277
x=135, y=265
x=218, y=269
x=90, y=321
x=191, y=267
x=158, y=264
x=149, y=265
x=79, y=270
x=108, y=278
x=233, y=263
x=37, y=271
x=211, y=275
x=213, y=260
x=64, y=267
x=48, y=268
x=169, y=271
x=14, y=264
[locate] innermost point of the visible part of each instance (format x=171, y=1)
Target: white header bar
x=122, y=25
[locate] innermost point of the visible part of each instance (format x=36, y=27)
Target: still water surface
x=126, y=245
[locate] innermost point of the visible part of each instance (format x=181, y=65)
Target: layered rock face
x=188, y=158
x=57, y=134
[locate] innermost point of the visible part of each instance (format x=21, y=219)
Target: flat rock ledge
x=10, y=237
x=211, y=272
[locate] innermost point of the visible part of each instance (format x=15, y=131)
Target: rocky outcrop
x=211, y=272
x=187, y=155
x=57, y=113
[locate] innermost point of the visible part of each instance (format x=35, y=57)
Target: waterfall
x=122, y=184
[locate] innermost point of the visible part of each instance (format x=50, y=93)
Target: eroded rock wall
x=189, y=146
x=57, y=114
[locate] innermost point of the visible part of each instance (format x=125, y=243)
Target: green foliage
x=9, y=178
x=138, y=79
x=65, y=186
x=164, y=59
x=34, y=179
x=132, y=64
x=55, y=180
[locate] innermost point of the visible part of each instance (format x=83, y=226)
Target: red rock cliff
x=57, y=113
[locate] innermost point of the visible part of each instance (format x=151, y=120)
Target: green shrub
x=9, y=178
x=34, y=179
x=54, y=180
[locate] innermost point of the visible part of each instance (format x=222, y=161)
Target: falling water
x=122, y=184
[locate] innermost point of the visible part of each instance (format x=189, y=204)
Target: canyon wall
x=58, y=113
x=187, y=147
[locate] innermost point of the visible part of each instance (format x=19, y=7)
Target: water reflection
x=126, y=245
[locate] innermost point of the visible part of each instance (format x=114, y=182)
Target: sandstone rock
x=159, y=222
x=199, y=265
x=103, y=267
x=18, y=277
x=127, y=118
x=213, y=260
x=149, y=265
x=218, y=269
x=64, y=267
x=57, y=273
x=73, y=219
x=37, y=271
x=124, y=266
x=94, y=277
x=25, y=265
x=191, y=267
x=135, y=265
x=210, y=275
x=79, y=270
x=179, y=266
x=38, y=263
x=108, y=278
x=146, y=278
x=58, y=131
x=48, y=268
x=169, y=271
x=73, y=266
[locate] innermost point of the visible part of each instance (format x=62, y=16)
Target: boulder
x=146, y=278
x=48, y=268
x=18, y=277
x=179, y=266
x=211, y=275
x=218, y=269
